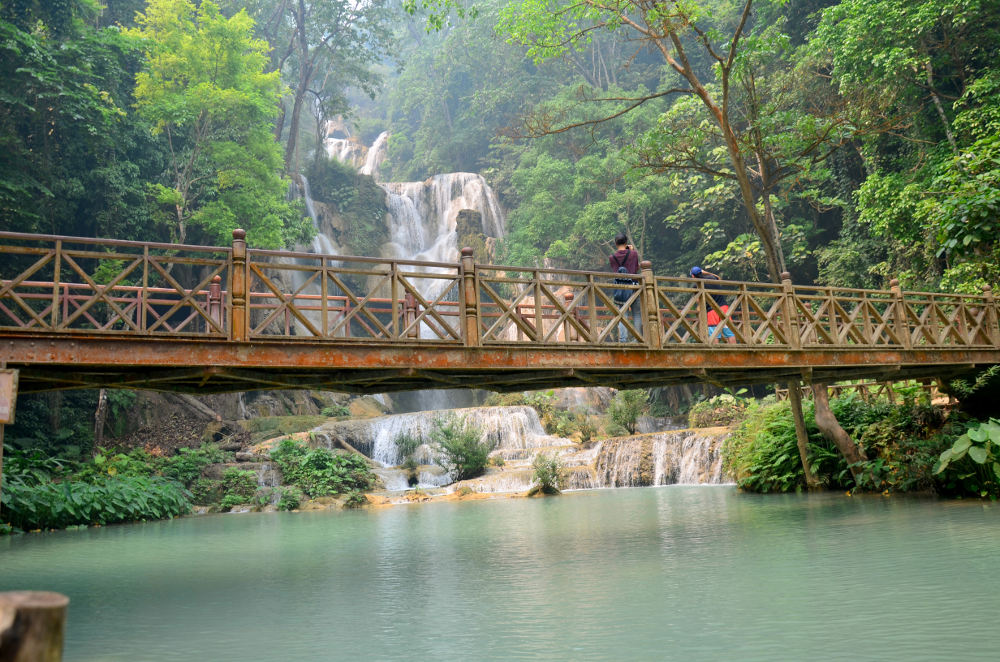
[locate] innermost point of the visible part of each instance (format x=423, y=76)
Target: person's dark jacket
x=628, y=257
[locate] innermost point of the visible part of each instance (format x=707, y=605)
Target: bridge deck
x=77, y=313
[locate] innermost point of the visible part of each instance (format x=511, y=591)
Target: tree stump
x=31, y=626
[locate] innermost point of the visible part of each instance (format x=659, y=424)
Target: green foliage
x=762, y=453
x=53, y=505
x=186, y=466
x=239, y=486
x=289, y=497
x=972, y=464
x=549, y=473
x=464, y=451
x=407, y=445
x=626, y=407
x=355, y=499
x=205, y=90
x=205, y=491
x=359, y=203
x=336, y=411
x=902, y=443
x=723, y=409
x=963, y=389
x=319, y=471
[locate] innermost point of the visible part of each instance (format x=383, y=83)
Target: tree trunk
x=32, y=624
x=100, y=417
x=832, y=431
x=801, y=435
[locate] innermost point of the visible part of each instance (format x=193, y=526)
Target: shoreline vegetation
x=911, y=446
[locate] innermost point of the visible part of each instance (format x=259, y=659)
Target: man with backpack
x=625, y=260
x=712, y=317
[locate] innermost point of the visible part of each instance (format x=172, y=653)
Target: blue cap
x=695, y=271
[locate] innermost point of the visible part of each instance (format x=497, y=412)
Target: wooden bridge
x=83, y=313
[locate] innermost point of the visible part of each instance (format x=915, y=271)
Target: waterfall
x=507, y=429
x=677, y=457
x=375, y=156
x=685, y=457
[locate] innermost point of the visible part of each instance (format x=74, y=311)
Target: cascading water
x=686, y=457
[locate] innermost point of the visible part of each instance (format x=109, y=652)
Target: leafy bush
x=407, y=444
x=205, y=491
x=762, y=453
x=355, y=499
x=186, y=466
x=549, y=474
x=289, y=497
x=464, y=451
x=320, y=471
x=626, y=407
x=239, y=486
x=724, y=409
x=50, y=505
x=901, y=443
x=972, y=464
x=336, y=411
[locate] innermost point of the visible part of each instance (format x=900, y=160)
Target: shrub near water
x=972, y=464
x=464, y=452
x=762, y=453
x=40, y=492
x=321, y=472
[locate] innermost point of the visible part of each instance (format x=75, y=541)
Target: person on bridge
x=720, y=300
x=625, y=260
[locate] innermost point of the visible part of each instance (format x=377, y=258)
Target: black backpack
x=622, y=295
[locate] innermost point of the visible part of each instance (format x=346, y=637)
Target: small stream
x=662, y=573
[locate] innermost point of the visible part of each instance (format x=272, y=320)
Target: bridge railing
x=101, y=286
x=309, y=296
x=98, y=286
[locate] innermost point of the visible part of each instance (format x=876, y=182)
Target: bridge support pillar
x=470, y=308
x=653, y=337
x=239, y=320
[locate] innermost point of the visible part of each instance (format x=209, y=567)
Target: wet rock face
x=679, y=457
x=517, y=438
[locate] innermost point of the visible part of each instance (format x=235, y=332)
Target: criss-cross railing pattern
x=309, y=296
x=73, y=285
x=548, y=306
x=52, y=284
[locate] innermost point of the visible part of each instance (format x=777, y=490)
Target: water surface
x=673, y=573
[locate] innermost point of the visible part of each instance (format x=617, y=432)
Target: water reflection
x=676, y=573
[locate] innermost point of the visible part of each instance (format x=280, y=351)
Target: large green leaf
x=978, y=454
x=961, y=445
x=979, y=434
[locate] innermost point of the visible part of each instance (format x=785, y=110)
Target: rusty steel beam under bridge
x=87, y=313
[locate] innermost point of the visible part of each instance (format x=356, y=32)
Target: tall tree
x=321, y=41
x=205, y=91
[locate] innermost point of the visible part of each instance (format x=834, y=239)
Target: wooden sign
x=8, y=395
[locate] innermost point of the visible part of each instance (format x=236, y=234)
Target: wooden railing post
x=791, y=314
x=240, y=319
x=899, y=314
x=650, y=306
x=215, y=300
x=992, y=329
x=569, y=331
x=410, y=315
x=32, y=624
x=470, y=310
